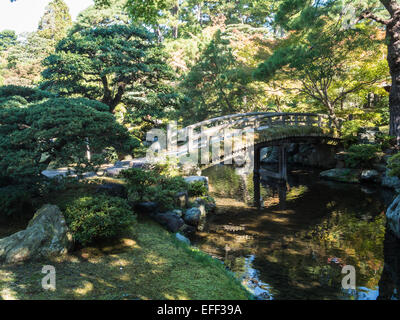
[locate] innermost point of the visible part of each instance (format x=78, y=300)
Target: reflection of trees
x=324, y=220
x=328, y=224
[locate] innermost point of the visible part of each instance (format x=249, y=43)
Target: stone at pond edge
x=208, y=203
x=192, y=216
x=182, y=199
x=342, y=175
x=393, y=217
x=196, y=217
x=182, y=238
x=370, y=176
x=390, y=182
x=170, y=220
x=47, y=235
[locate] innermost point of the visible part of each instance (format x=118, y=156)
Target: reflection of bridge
x=267, y=129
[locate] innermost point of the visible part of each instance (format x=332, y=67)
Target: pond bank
x=151, y=264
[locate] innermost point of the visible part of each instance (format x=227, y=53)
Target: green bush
x=386, y=141
x=149, y=186
x=197, y=189
x=14, y=202
x=361, y=155
x=394, y=165
x=30, y=94
x=91, y=219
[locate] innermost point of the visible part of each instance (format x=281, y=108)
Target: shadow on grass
x=149, y=265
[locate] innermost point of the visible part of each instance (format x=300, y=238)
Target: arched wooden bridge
x=226, y=134
x=222, y=138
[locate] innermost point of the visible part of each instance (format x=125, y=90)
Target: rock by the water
x=272, y=156
x=370, y=176
x=170, y=220
x=182, y=238
x=209, y=204
x=47, y=235
x=393, y=217
x=342, y=175
x=390, y=182
x=113, y=190
x=192, y=216
x=182, y=199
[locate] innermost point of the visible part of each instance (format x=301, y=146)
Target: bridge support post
x=256, y=177
x=283, y=163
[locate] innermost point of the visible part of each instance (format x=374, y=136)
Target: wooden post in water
x=256, y=177
x=283, y=162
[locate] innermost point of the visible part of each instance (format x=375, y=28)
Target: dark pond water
x=295, y=246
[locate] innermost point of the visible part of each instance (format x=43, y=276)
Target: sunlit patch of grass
x=150, y=265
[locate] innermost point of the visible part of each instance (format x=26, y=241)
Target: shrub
x=197, y=189
x=149, y=186
x=394, y=165
x=386, y=141
x=30, y=94
x=361, y=155
x=14, y=202
x=91, y=219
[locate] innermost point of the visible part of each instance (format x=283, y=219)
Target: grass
x=146, y=263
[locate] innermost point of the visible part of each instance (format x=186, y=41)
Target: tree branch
x=370, y=15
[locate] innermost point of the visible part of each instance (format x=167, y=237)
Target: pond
x=296, y=244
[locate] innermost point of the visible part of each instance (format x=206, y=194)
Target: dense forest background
x=213, y=58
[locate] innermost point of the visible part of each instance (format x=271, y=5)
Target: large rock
x=196, y=217
x=170, y=220
x=390, y=182
x=272, y=156
x=393, y=217
x=47, y=235
x=342, y=175
x=192, y=216
x=370, y=176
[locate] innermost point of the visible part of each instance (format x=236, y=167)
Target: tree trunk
x=393, y=36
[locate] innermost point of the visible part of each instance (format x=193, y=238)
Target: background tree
x=8, y=38
x=55, y=22
x=102, y=63
x=329, y=63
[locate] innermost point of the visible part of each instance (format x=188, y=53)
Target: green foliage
x=361, y=155
x=150, y=186
x=105, y=63
x=394, y=165
x=8, y=38
x=197, y=189
x=29, y=94
x=385, y=141
x=14, y=202
x=97, y=218
x=57, y=131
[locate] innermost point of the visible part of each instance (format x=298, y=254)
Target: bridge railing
x=256, y=120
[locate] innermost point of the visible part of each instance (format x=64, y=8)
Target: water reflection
x=295, y=245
